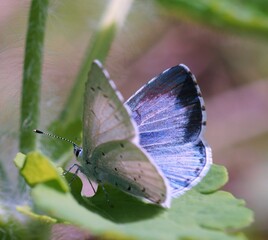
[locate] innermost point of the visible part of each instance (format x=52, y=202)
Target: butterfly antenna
x=54, y=136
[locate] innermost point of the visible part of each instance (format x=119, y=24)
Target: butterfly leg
x=79, y=168
x=74, y=165
x=90, y=183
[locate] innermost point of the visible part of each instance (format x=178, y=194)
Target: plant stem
x=32, y=71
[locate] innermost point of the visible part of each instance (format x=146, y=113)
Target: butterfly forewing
x=170, y=115
x=105, y=118
x=124, y=165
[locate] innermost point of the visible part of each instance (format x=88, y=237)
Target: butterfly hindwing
x=171, y=118
x=125, y=166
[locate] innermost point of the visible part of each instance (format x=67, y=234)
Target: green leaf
x=195, y=215
x=12, y=228
x=247, y=16
x=209, y=184
x=35, y=168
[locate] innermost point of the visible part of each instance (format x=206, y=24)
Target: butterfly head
x=77, y=151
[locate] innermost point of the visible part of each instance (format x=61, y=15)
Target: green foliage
x=247, y=16
x=202, y=213
x=31, y=230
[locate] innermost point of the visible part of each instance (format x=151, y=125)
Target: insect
x=152, y=146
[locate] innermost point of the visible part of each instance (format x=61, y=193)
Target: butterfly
x=152, y=145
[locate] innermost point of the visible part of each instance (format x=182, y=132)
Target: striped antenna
x=54, y=136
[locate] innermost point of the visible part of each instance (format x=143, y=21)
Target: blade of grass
x=32, y=71
x=69, y=122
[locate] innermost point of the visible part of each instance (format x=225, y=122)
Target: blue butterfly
x=152, y=146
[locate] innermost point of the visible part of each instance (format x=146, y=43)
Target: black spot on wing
x=187, y=182
x=201, y=148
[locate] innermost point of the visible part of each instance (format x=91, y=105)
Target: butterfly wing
x=125, y=166
x=105, y=118
x=171, y=119
x=110, y=140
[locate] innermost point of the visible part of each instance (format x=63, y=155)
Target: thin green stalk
x=69, y=122
x=32, y=71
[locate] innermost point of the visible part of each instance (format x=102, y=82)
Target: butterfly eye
x=77, y=151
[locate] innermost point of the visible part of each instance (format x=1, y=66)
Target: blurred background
x=224, y=43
